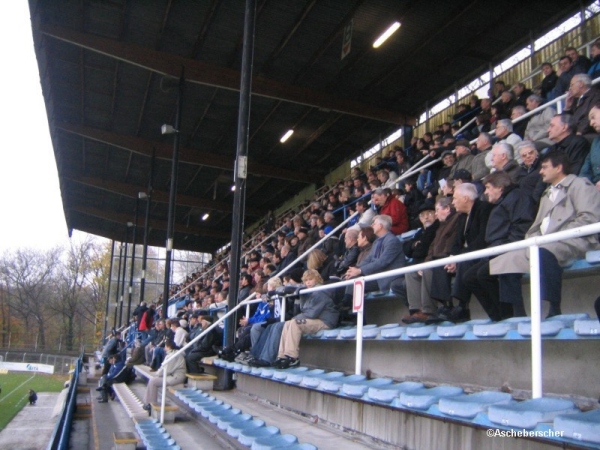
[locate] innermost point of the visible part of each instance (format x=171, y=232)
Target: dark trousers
x=486, y=289
x=550, y=281
x=460, y=290
x=441, y=285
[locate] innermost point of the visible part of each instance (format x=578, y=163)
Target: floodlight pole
x=172, y=196
x=241, y=164
x=147, y=226
x=135, y=221
x=110, y=270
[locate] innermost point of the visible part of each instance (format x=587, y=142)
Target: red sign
x=358, y=301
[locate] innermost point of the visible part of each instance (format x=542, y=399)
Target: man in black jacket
x=562, y=132
x=471, y=236
x=509, y=220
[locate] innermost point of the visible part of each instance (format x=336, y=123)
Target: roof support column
x=172, y=195
x=241, y=165
x=110, y=270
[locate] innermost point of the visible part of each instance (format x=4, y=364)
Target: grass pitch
x=15, y=390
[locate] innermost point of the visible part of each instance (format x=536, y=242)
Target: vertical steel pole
x=536, y=313
x=172, y=196
x=147, y=226
x=241, y=164
x=118, y=285
x=112, y=255
x=137, y=205
x=123, y=278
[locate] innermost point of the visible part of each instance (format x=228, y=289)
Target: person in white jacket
x=175, y=372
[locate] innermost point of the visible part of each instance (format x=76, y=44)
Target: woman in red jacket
x=389, y=205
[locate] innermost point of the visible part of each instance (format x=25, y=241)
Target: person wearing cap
x=464, y=157
x=203, y=347
x=304, y=243
x=503, y=158
x=449, y=160
x=389, y=205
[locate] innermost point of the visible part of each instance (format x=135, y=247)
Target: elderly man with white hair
x=581, y=97
x=505, y=134
x=503, y=158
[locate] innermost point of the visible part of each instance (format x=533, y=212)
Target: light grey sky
x=32, y=214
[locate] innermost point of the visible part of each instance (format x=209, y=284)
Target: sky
x=32, y=213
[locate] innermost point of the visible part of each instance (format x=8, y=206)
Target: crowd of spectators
x=497, y=179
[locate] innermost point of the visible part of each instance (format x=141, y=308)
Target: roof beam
x=131, y=191
x=211, y=75
x=186, y=155
x=122, y=219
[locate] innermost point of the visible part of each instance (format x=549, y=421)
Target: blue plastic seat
x=267, y=372
x=580, y=427
x=313, y=381
x=392, y=332
x=331, y=334
x=529, y=413
x=268, y=443
x=296, y=377
x=333, y=386
x=387, y=394
x=569, y=319
x=235, y=428
x=498, y=329
x=214, y=416
x=247, y=437
x=212, y=409
x=424, y=398
x=420, y=332
x=281, y=375
x=224, y=422
x=359, y=388
x=547, y=328
x=449, y=330
x=587, y=327
x=468, y=406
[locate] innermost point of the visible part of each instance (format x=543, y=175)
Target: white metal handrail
x=532, y=243
x=169, y=358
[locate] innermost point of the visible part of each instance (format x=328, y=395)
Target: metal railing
x=532, y=243
x=62, y=430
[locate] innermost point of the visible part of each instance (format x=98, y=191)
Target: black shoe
x=286, y=362
x=443, y=312
x=147, y=407
x=100, y=388
x=217, y=349
x=258, y=363
x=460, y=314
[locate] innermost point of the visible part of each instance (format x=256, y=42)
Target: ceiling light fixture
x=205, y=216
x=233, y=188
x=286, y=136
x=386, y=34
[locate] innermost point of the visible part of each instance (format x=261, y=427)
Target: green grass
x=15, y=390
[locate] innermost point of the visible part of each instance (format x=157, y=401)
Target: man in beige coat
x=175, y=373
x=569, y=202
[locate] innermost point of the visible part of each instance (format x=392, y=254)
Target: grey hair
x=505, y=148
x=584, y=78
x=384, y=220
x=536, y=98
x=525, y=144
x=519, y=108
x=486, y=136
x=505, y=123
x=467, y=189
x=352, y=234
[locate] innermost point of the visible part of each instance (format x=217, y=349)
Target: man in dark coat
x=509, y=220
x=471, y=236
x=581, y=98
x=562, y=132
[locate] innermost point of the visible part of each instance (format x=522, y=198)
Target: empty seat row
x=563, y=327
x=154, y=435
x=249, y=431
x=547, y=418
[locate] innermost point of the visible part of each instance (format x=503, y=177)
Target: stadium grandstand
x=397, y=204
